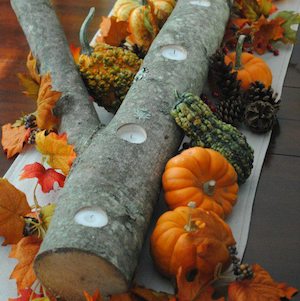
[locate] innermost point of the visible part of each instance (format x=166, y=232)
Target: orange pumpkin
x=249, y=68
x=203, y=176
x=190, y=238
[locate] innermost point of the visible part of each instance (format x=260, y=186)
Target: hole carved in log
x=94, y=217
x=174, y=52
x=132, y=133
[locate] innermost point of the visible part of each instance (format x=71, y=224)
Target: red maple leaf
x=46, y=177
x=25, y=295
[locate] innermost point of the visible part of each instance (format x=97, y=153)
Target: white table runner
x=239, y=219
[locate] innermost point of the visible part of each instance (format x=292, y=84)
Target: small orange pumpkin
x=203, y=176
x=249, y=68
x=190, y=238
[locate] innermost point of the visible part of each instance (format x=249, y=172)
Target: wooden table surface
x=274, y=240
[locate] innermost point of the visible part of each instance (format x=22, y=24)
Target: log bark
x=121, y=178
x=49, y=45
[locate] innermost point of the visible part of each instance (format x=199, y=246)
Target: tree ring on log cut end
x=91, y=217
x=204, y=3
x=174, y=52
x=132, y=132
x=67, y=273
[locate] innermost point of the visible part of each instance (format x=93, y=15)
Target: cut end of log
x=66, y=274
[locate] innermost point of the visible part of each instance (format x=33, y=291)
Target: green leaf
x=290, y=18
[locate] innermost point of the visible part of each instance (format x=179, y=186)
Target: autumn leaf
x=113, y=32
x=13, y=206
x=261, y=287
x=26, y=294
x=290, y=18
x=149, y=295
x=265, y=32
x=254, y=9
x=31, y=82
x=46, y=177
x=30, y=86
x=13, y=139
x=193, y=287
x=25, y=251
x=46, y=101
x=56, y=150
x=75, y=53
x=31, y=65
x=46, y=214
x=96, y=296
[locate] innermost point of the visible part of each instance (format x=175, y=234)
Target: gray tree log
x=122, y=180
x=49, y=45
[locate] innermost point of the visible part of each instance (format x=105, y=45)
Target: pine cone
x=258, y=91
x=260, y=116
x=230, y=106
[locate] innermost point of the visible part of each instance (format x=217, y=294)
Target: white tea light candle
x=132, y=133
x=174, y=52
x=93, y=216
x=204, y=3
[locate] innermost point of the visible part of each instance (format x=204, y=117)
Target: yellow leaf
x=32, y=68
x=25, y=251
x=13, y=206
x=13, y=139
x=30, y=86
x=58, y=153
x=46, y=101
x=46, y=214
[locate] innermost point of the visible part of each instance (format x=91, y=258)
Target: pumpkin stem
x=85, y=46
x=238, y=52
x=190, y=226
x=209, y=187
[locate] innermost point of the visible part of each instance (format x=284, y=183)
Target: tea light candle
x=132, y=133
x=204, y=3
x=174, y=52
x=93, y=217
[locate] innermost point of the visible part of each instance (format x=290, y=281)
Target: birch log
x=98, y=229
x=49, y=45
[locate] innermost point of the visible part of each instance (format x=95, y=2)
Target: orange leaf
x=96, y=297
x=149, y=295
x=113, y=32
x=25, y=251
x=196, y=289
x=13, y=206
x=75, y=52
x=46, y=101
x=59, y=154
x=46, y=177
x=266, y=31
x=13, y=139
x=261, y=287
x=32, y=68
